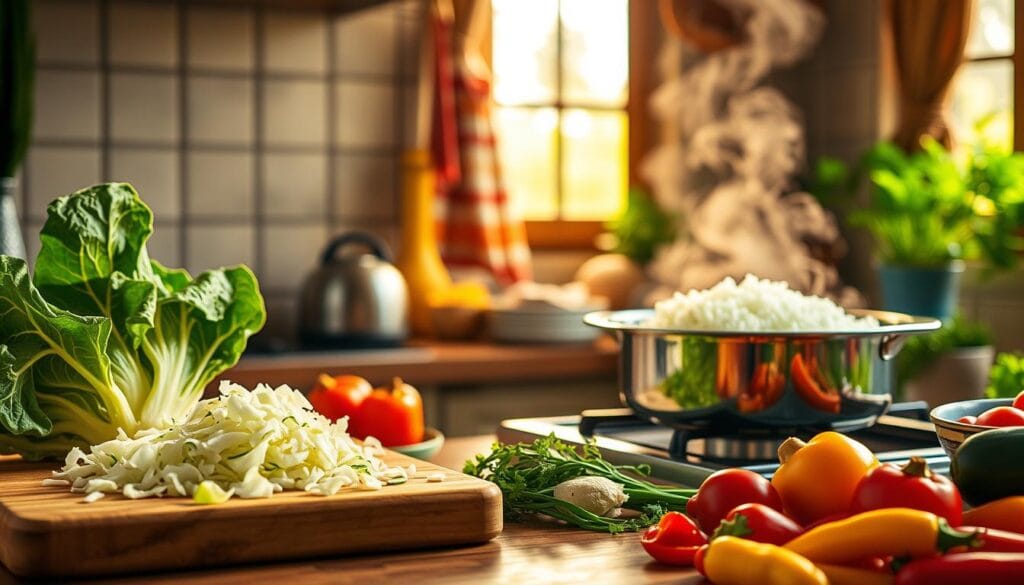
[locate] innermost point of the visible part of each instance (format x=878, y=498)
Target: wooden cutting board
x=47, y=531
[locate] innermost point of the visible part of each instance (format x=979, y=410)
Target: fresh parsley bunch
x=527, y=474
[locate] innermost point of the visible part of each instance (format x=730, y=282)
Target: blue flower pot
x=931, y=292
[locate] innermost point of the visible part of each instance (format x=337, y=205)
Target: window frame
x=1016, y=60
x=566, y=234
x=1018, y=74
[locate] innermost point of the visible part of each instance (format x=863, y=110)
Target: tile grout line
x=105, y=90
x=225, y=73
x=259, y=107
x=398, y=111
x=332, y=120
x=183, y=119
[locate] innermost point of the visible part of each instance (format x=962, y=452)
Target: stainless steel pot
x=731, y=381
x=354, y=300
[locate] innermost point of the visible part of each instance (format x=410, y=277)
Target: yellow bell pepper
x=817, y=479
x=735, y=561
x=895, y=532
x=842, y=575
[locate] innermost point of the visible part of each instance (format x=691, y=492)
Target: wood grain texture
x=535, y=553
x=47, y=531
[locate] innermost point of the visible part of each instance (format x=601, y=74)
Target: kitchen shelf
x=434, y=363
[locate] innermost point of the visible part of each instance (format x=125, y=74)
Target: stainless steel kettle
x=354, y=300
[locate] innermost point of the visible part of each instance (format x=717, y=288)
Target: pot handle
x=890, y=346
x=376, y=245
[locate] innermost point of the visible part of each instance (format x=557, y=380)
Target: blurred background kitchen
x=615, y=150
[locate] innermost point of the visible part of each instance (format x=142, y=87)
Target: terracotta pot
x=961, y=374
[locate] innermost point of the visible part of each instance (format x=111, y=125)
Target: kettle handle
x=375, y=244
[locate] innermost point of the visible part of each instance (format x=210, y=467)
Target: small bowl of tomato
x=956, y=421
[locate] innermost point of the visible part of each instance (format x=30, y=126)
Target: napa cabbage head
x=101, y=337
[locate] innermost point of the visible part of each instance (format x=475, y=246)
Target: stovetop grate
x=687, y=458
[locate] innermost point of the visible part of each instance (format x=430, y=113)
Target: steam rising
x=728, y=156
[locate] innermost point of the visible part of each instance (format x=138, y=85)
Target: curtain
x=928, y=39
x=478, y=227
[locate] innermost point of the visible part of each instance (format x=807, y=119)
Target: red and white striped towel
x=477, y=225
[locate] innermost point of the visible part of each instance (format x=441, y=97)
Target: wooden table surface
x=534, y=552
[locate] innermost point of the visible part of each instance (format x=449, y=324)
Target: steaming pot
x=730, y=381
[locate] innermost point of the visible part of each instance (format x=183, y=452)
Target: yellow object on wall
x=419, y=259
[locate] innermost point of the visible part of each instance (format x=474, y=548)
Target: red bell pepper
x=759, y=523
x=338, y=396
x=393, y=415
x=913, y=485
x=724, y=490
x=674, y=540
x=827, y=519
x=958, y=569
x=816, y=395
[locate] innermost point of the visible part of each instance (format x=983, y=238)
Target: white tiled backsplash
x=254, y=133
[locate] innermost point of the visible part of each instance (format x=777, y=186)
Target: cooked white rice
x=754, y=305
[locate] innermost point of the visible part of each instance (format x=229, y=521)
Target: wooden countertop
x=534, y=552
x=434, y=363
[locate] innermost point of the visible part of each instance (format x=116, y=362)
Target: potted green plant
x=919, y=214
x=928, y=212
x=17, y=72
x=948, y=365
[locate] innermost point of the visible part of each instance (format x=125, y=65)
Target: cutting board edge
x=26, y=556
x=308, y=503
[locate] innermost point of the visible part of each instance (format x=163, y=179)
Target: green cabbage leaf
x=102, y=337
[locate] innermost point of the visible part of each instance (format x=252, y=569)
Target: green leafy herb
x=104, y=338
x=927, y=208
x=1006, y=379
x=527, y=474
x=642, y=228
x=920, y=211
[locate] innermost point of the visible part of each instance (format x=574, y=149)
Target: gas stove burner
x=736, y=450
x=687, y=456
x=748, y=446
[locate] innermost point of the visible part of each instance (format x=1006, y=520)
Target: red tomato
x=968, y=419
x=1018, y=402
x=913, y=485
x=674, y=540
x=1002, y=416
x=759, y=523
x=724, y=490
x=393, y=415
x=338, y=396
x=698, y=559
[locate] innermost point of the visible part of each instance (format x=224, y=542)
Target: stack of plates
x=537, y=322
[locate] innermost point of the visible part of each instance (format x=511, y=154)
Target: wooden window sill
x=563, y=235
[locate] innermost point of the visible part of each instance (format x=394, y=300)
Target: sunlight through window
x=561, y=84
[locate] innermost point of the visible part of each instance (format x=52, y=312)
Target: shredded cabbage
x=250, y=444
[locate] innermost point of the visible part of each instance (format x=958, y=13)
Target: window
x=984, y=88
x=561, y=73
